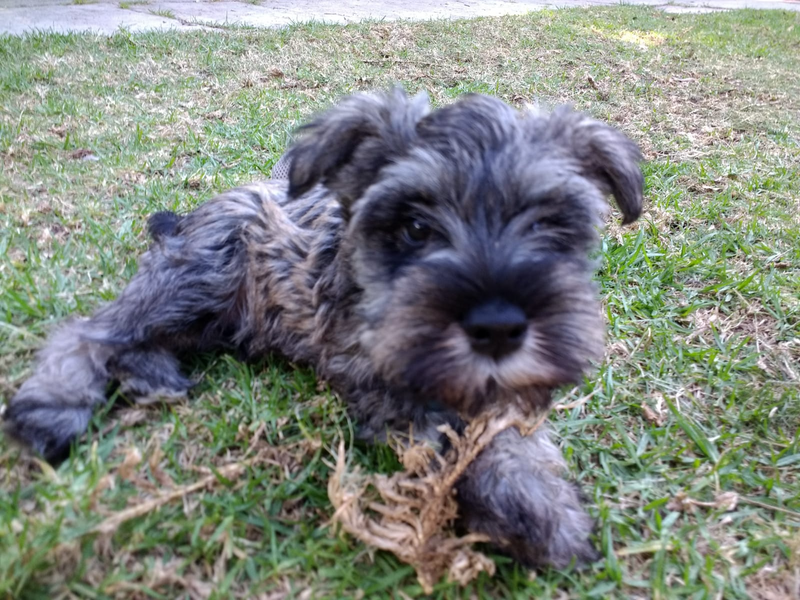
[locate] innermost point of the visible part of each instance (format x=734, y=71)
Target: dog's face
x=469, y=232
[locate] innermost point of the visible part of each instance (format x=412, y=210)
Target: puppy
x=428, y=264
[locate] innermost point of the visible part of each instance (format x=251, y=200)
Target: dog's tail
x=163, y=224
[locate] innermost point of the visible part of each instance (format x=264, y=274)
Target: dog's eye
x=416, y=232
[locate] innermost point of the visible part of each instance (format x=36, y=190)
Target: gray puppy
x=428, y=264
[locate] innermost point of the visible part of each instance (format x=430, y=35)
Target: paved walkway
x=107, y=16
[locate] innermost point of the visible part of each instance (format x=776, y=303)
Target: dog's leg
x=72, y=374
x=149, y=376
x=188, y=294
x=514, y=492
x=55, y=404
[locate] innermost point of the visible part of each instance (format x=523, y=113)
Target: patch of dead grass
x=779, y=579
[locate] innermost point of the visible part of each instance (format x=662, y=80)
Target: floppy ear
x=345, y=147
x=605, y=155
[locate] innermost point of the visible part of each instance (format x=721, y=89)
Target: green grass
x=167, y=14
x=697, y=398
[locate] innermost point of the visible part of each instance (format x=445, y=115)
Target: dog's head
x=469, y=231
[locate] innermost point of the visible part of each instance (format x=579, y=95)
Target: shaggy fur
x=429, y=264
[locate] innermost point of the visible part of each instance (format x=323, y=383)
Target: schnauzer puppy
x=428, y=264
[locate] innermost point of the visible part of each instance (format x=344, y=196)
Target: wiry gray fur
x=330, y=268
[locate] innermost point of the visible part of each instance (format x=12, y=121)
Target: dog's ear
x=605, y=155
x=345, y=147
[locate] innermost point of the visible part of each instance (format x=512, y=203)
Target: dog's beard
x=428, y=353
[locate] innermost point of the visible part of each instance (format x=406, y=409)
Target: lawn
x=689, y=447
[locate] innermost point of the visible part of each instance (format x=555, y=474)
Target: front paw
x=514, y=494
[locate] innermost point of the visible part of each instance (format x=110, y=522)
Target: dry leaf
x=106, y=482
x=726, y=501
x=155, y=466
x=652, y=416
x=132, y=459
x=681, y=503
x=81, y=154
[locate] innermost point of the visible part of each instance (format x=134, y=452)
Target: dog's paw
x=47, y=427
x=149, y=376
x=514, y=494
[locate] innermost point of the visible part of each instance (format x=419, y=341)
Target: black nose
x=496, y=328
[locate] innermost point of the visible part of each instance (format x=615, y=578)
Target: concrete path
x=108, y=16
